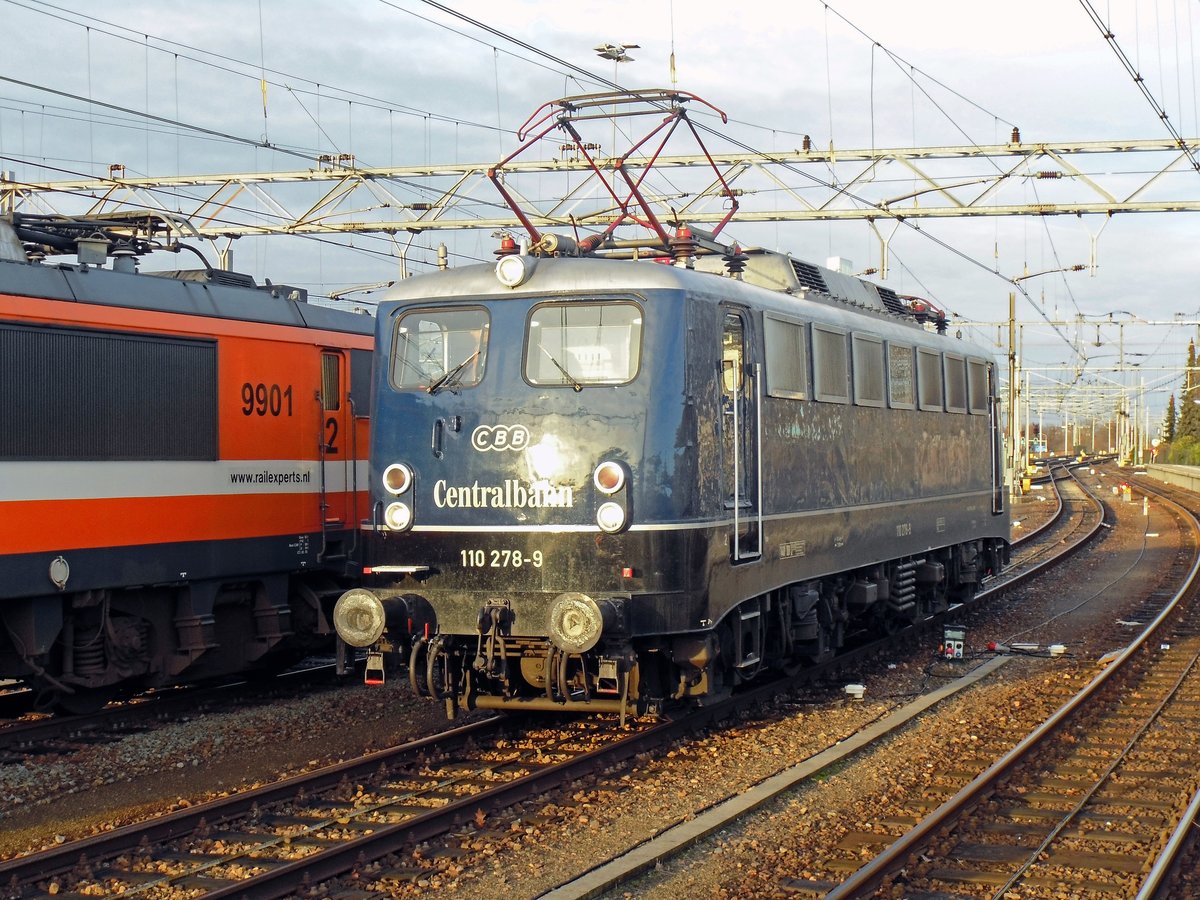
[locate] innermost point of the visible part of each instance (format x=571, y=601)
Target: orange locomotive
x=182, y=467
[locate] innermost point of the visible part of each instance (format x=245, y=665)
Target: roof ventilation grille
x=809, y=276
x=891, y=301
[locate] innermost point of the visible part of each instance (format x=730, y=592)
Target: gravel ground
x=50, y=799
x=1031, y=511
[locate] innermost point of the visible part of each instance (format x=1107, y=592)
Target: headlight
x=609, y=477
x=513, y=271
x=359, y=618
x=397, y=478
x=610, y=517
x=397, y=516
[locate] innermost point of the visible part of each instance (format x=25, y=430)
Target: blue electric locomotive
x=609, y=484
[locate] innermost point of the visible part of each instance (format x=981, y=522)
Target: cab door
x=741, y=436
x=997, y=439
x=336, y=445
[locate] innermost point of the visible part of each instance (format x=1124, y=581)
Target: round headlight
x=359, y=618
x=609, y=477
x=576, y=622
x=397, y=478
x=610, y=517
x=513, y=271
x=397, y=516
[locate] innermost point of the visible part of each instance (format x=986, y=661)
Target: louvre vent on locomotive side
x=612, y=484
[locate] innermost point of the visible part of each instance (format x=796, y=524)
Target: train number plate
x=500, y=559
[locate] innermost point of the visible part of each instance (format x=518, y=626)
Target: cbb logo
x=500, y=437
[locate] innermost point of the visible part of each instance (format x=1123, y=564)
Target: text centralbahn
x=512, y=494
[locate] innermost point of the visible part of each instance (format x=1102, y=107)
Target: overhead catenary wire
x=902, y=65
x=233, y=66
x=909, y=69
x=1140, y=82
x=200, y=129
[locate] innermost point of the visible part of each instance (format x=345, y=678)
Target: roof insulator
x=683, y=247
x=735, y=262
x=590, y=243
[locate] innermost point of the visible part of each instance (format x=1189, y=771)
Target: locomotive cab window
x=977, y=386
x=439, y=348
x=576, y=344
x=331, y=394
x=733, y=344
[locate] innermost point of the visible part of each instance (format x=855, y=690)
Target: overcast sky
x=406, y=83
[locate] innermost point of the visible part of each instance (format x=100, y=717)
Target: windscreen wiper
x=575, y=385
x=450, y=378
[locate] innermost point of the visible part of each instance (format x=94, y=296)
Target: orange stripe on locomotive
x=33, y=526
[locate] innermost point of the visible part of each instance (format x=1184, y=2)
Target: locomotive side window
x=956, y=383
x=331, y=395
x=831, y=368
x=902, y=393
x=977, y=387
x=574, y=344
x=733, y=343
x=868, y=369
x=929, y=379
x=438, y=349
x=787, y=357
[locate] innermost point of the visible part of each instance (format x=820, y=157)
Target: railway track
x=1087, y=800
x=39, y=735
x=274, y=839
x=1077, y=519
x=295, y=834
x=1019, y=508
x=1176, y=872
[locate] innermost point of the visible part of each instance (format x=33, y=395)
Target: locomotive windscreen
x=583, y=343
x=437, y=346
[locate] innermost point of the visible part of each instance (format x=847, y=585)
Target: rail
x=871, y=876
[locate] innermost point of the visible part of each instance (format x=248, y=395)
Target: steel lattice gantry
x=1014, y=179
